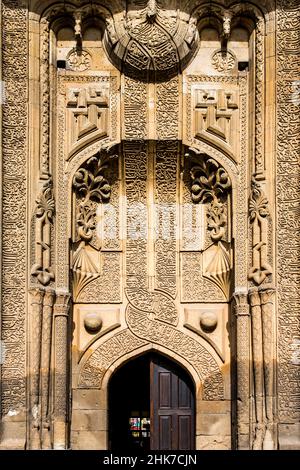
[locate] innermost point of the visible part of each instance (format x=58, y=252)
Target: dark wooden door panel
x=172, y=407
x=165, y=432
x=184, y=432
x=164, y=380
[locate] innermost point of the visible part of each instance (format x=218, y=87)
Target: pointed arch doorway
x=151, y=406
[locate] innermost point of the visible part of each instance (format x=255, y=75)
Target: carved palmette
x=91, y=187
x=211, y=185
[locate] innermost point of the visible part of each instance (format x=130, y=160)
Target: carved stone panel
x=288, y=209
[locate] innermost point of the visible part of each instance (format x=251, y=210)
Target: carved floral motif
x=259, y=213
x=79, y=61
x=210, y=184
x=45, y=207
x=91, y=188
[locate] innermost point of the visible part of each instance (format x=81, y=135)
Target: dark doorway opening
x=151, y=406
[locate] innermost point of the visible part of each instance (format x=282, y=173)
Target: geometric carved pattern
x=215, y=118
x=87, y=114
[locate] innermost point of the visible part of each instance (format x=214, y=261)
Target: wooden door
x=172, y=407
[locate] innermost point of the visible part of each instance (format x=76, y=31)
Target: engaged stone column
x=36, y=311
x=242, y=366
x=267, y=313
x=61, y=314
x=45, y=365
x=257, y=353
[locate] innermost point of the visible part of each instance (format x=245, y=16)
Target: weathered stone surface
x=149, y=202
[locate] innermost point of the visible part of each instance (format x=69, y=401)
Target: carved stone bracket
x=215, y=111
x=262, y=322
x=259, y=212
x=45, y=207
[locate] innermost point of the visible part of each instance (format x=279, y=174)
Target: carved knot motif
x=152, y=38
x=258, y=215
x=210, y=184
x=45, y=207
x=91, y=186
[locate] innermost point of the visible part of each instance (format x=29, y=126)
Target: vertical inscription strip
x=136, y=197
x=166, y=216
x=288, y=233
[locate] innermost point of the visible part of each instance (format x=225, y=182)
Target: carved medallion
x=79, y=60
x=223, y=61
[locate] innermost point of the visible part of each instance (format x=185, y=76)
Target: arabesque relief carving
x=259, y=214
x=210, y=186
x=150, y=78
x=45, y=207
x=91, y=187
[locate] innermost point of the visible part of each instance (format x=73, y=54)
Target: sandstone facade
x=150, y=202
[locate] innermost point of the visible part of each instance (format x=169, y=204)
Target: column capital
x=36, y=295
x=254, y=297
x=240, y=297
x=61, y=305
x=266, y=293
x=49, y=297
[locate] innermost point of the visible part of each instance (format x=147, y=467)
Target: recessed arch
x=157, y=410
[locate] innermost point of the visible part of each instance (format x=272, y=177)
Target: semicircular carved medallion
x=151, y=39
